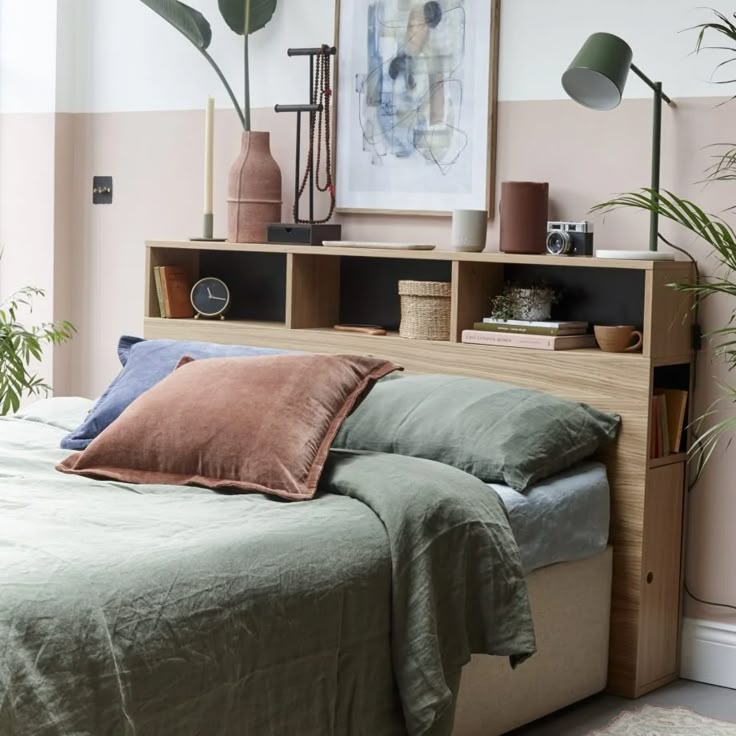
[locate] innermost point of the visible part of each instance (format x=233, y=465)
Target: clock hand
x=218, y=298
x=209, y=293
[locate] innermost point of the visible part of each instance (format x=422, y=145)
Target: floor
x=600, y=710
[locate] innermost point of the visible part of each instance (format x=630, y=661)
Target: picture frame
x=398, y=149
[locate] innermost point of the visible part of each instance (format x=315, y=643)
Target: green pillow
x=494, y=431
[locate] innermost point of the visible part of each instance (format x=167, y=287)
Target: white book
x=536, y=342
x=545, y=323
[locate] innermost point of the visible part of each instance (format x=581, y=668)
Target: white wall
x=28, y=56
x=132, y=60
x=539, y=38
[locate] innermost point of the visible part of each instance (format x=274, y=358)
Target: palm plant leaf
x=724, y=168
x=247, y=16
x=726, y=28
x=188, y=21
x=194, y=26
x=715, y=231
x=711, y=228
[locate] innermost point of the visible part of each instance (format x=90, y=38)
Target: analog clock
x=210, y=297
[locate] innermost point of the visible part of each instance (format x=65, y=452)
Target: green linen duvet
x=156, y=611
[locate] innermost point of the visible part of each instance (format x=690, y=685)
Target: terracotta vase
x=254, y=190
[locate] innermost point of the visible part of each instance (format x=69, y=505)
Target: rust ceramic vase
x=254, y=190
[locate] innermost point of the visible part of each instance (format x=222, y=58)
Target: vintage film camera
x=570, y=238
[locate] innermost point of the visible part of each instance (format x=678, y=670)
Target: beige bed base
x=571, y=604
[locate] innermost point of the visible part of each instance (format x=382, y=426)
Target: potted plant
x=254, y=184
x=532, y=302
x=20, y=345
x=719, y=235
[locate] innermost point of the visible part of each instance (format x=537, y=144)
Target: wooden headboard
x=312, y=288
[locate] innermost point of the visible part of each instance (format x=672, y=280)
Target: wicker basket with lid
x=425, y=310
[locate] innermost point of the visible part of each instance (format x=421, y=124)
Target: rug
x=651, y=721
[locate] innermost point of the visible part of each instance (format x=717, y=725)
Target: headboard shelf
x=426, y=255
x=291, y=297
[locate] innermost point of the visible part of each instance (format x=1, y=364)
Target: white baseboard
x=709, y=652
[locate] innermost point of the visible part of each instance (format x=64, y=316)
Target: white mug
x=469, y=230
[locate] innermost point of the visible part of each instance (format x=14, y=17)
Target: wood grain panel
x=312, y=291
x=472, y=286
x=668, y=314
x=683, y=268
x=660, y=610
x=612, y=382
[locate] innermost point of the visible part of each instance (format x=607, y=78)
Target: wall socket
x=102, y=190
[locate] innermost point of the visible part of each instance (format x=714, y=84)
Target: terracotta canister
x=524, y=215
x=254, y=190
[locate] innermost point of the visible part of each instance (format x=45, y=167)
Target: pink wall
x=27, y=149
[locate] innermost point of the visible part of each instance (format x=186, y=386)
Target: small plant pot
x=532, y=305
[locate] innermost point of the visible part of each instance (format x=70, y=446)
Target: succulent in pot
x=532, y=302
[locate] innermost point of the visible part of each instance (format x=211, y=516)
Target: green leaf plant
x=244, y=17
x=720, y=236
x=20, y=346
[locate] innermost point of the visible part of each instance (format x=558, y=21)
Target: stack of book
x=668, y=421
x=173, y=292
x=517, y=333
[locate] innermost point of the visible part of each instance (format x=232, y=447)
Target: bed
x=126, y=535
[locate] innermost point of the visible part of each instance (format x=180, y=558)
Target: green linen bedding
x=155, y=610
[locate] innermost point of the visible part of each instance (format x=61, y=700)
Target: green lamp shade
x=597, y=76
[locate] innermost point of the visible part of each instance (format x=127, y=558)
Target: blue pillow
x=145, y=363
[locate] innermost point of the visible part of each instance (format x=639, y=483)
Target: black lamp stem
x=656, y=86
x=656, y=157
x=659, y=97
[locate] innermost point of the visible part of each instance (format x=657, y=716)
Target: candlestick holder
x=309, y=231
x=209, y=228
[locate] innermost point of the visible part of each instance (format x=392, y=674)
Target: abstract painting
x=416, y=104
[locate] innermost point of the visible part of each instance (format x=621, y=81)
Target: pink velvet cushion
x=254, y=424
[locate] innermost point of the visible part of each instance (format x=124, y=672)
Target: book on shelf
x=548, y=323
x=529, y=329
x=536, y=342
x=671, y=409
x=176, y=292
x=159, y=291
x=661, y=423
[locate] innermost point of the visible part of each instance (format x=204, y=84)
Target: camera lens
x=559, y=243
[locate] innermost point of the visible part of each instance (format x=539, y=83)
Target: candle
x=209, y=137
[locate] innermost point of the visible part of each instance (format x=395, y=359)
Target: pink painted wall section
x=65, y=224
x=27, y=144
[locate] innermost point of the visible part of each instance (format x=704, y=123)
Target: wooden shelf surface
x=424, y=255
x=310, y=338
x=673, y=459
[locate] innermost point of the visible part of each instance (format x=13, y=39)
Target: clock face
x=210, y=297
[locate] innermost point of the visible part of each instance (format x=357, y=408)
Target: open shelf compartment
x=257, y=281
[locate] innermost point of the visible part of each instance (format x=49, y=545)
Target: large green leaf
x=247, y=16
x=186, y=20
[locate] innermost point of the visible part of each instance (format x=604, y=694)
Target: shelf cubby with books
x=291, y=297
x=257, y=281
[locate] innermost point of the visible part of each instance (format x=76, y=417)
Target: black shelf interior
x=601, y=296
x=369, y=287
x=257, y=282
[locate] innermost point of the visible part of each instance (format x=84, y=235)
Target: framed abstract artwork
x=416, y=105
